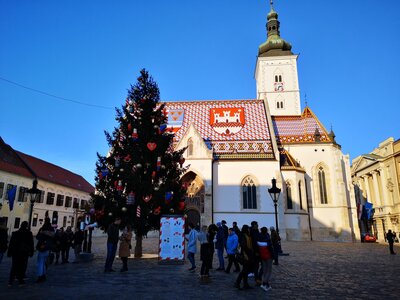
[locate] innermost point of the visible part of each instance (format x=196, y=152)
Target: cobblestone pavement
x=313, y=270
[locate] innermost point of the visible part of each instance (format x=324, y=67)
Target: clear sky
x=91, y=51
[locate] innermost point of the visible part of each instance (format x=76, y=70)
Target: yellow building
x=63, y=195
x=376, y=177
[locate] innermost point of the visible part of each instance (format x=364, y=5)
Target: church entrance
x=194, y=198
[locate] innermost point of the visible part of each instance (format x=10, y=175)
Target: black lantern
x=34, y=194
x=274, y=193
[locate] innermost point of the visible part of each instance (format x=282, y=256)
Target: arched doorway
x=194, y=198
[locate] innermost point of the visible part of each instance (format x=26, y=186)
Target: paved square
x=313, y=270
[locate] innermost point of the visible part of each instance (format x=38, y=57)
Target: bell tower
x=276, y=71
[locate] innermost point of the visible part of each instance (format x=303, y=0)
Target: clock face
x=278, y=86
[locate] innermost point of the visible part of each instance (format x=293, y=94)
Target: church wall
x=338, y=183
x=228, y=177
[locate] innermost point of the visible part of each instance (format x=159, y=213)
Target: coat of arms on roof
x=175, y=117
x=227, y=121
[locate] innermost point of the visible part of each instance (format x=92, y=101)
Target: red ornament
x=153, y=175
x=127, y=158
x=181, y=161
x=147, y=198
x=181, y=205
x=157, y=211
x=129, y=127
x=151, y=146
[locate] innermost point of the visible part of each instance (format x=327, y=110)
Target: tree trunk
x=138, y=247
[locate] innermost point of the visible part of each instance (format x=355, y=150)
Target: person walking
x=44, y=245
x=3, y=238
x=112, y=243
x=66, y=244
x=57, y=244
x=226, y=233
x=275, y=244
x=78, y=240
x=20, y=249
x=247, y=254
x=232, y=244
x=125, y=247
x=219, y=245
x=212, y=232
x=255, y=234
x=266, y=253
x=390, y=239
x=205, y=254
x=192, y=246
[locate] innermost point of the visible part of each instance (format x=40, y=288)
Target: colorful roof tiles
x=299, y=129
x=234, y=127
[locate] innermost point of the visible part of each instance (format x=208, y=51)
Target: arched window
x=322, y=186
x=190, y=147
x=249, y=191
x=289, y=201
x=281, y=104
x=277, y=104
x=280, y=78
x=300, y=199
x=276, y=78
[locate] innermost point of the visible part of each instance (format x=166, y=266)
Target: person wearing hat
x=20, y=249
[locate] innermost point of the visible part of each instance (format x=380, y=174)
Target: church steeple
x=275, y=45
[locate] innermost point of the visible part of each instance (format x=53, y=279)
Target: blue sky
x=91, y=51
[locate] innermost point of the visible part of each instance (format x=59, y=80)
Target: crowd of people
x=250, y=250
x=52, y=246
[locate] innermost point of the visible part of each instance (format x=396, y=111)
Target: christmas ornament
x=168, y=197
x=155, y=127
x=171, y=210
x=138, y=166
x=127, y=158
x=153, y=174
x=110, y=214
x=119, y=186
x=181, y=161
x=131, y=199
x=129, y=127
x=130, y=102
x=104, y=172
x=181, y=205
x=147, y=198
x=163, y=127
x=163, y=167
x=135, y=135
x=157, y=211
x=156, y=188
x=151, y=146
x=158, y=163
x=117, y=162
x=138, y=212
x=124, y=209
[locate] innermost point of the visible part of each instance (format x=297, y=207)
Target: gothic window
x=280, y=78
x=249, y=191
x=322, y=186
x=300, y=199
x=276, y=78
x=289, y=200
x=277, y=104
x=281, y=104
x=190, y=147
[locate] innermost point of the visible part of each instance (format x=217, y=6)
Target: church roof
x=234, y=128
x=305, y=128
x=287, y=162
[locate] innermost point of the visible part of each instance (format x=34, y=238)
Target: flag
x=368, y=210
x=11, y=196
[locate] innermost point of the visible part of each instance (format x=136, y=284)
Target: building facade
x=236, y=147
x=376, y=179
x=64, y=195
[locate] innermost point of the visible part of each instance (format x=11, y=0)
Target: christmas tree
x=139, y=179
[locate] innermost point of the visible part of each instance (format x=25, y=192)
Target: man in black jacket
x=3, y=238
x=112, y=242
x=20, y=248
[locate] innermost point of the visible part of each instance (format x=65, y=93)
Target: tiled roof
x=10, y=162
x=19, y=163
x=299, y=129
x=234, y=127
x=52, y=173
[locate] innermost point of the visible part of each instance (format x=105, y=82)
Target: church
x=236, y=147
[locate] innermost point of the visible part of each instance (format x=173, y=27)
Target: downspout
x=308, y=209
x=212, y=190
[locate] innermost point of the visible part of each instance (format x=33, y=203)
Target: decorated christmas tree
x=139, y=179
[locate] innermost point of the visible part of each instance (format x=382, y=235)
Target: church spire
x=275, y=45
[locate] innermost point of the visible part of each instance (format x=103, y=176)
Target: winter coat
x=232, y=243
x=3, y=239
x=125, y=244
x=192, y=238
x=45, y=238
x=113, y=234
x=220, y=238
x=21, y=244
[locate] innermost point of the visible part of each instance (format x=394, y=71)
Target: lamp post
x=274, y=193
x=34, y=193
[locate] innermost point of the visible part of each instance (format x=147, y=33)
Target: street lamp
x=34, y=193
x=274, y=193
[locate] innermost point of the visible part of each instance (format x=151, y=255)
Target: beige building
x=64, y=195
x=376, y=177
